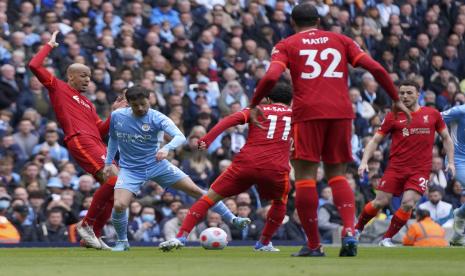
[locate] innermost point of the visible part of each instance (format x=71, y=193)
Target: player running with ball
x=264, y=160
x=410, y=159
x=137, y=132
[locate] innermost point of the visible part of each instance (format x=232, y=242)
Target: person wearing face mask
x=145, y=228
x=441, y=211
x=8, y=233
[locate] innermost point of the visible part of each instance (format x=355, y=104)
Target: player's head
x=281, y=93
x=421, y=214
x=138, y=99
x=409, y=91
x=305, y=15
x=78, y=76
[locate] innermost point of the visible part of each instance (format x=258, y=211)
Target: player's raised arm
x=238, y=118
x=44, y=76
x=168, y=126
x=383, y=78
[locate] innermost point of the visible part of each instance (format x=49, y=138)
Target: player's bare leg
x=344, y=199
x=188, y=186
x=196, y=213
x=123, y=198
x=401, y=216
x=306, y=202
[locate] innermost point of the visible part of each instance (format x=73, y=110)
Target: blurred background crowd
x=202, y=59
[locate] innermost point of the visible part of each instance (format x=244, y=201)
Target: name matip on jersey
x=318, y=61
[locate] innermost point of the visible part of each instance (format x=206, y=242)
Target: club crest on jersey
x=425, y=119
x=274, y=51
x=405, y=132
x=145, y=127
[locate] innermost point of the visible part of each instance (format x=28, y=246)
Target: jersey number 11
x=273, y=119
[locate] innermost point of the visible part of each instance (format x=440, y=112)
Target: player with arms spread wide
x=264, y=160
x=455, y=117
x=137, y=132
x=83, y=136
x=410, y=159
x=322, y=116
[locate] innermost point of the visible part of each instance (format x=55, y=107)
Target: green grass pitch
x=238, y=261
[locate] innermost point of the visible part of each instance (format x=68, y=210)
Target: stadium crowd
x=202, y=59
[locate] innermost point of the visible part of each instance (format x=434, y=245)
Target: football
x=213, y=238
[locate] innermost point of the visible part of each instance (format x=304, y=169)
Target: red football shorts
x=271, y=184
x=326, y=140
x=89, y=152
x=396, y=182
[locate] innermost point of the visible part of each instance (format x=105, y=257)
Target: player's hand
x=399, y=106
x=363, y=168
x=53, y=40
x=451, y=169
x=110, y=170
x=256, y=112
x=120, y=102
x=201, y=145
x=162, y=154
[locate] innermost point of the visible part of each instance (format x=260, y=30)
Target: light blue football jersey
x=455, y=118
x=138, y=138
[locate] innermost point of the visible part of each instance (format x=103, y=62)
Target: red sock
x=399, y=219
x=274, y=219
x=306, y=202
x=103, y=218
x=369, y=212
x=99, y=201
x=196, y=213
x=344, y=199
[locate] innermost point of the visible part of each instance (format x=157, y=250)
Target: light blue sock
x=461, y=211
x=120, y=222
x=224, y=212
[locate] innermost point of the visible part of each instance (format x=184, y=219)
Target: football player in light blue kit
x=455, y=117
x=136, y=132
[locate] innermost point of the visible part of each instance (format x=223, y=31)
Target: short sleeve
x=386, y=125
x=279, y=54
x=440, y=124
x=353, y=51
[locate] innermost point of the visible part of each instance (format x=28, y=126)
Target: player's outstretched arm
x=235, y=119
x=368, y=152
x=263, y=88
x=383, y=78
x=449, y=148
x=44, y=76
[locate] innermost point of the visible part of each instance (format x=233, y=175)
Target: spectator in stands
x=53, y=230
x=213, y=220
x=145, y=227
x=440, y=211
x=171, y=227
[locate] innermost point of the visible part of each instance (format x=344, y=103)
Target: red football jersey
x=412, y=145
x=266, y=148
x=318, y=61
x=75, y=113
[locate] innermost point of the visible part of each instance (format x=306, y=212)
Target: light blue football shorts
x=163, y=172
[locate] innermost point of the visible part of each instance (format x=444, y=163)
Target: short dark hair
x=281, y=93
x=435, y=188
x=137, y=92
x=410, y=83
x=305, y=15
x=421, y=214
